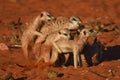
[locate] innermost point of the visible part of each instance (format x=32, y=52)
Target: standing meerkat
x=46, y=47
x=31, y=32
x=74, y=46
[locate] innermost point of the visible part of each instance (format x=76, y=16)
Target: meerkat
x=31, y=32
x=58, y=24
x=46, y=47
x=61, y=22
x=53, y=37
x=74, y=46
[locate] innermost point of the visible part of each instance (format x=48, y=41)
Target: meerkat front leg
x=56, y=46
x=61, y=34
x=37, y=33
x=75, y=55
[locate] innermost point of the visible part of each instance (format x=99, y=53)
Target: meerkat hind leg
x=54, y=55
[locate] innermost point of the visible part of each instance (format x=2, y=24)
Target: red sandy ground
x=105, y=10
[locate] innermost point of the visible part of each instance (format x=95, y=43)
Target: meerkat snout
x=65, y=33
x=47, y=16
x=86, y=32
x=76, y=20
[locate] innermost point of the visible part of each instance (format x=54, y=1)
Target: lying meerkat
x=46, y=47
x=61, y=22
x=74, y=46
x=31, y=32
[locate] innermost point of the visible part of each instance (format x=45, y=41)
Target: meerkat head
x=46, y=16
x=77, y=22
x=86, y=32
x=65, y=33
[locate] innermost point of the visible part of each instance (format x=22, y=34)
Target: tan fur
x=31, y=32
x=58, y=24
x=61, y=23
x=50, y=41
x=74, y=46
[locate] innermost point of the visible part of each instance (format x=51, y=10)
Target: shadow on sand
x=94, y=54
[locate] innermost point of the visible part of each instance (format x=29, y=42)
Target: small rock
x=3, y=47
x=111, y=72
x=51, y=74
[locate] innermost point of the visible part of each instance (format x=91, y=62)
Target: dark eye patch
x=59, y=32
x=74, y=19
x=49, y=15
x=41, y=15
x=65, y=34
x=84, y=32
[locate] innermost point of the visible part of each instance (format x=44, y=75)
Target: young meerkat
x=61, y=22
x=74, y=46
x=31, y=32
x=46, y=47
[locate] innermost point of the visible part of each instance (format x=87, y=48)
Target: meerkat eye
x=59, y=32
x=65, y=34
x=74, y=19
x=41, y=15
x=49, y=15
